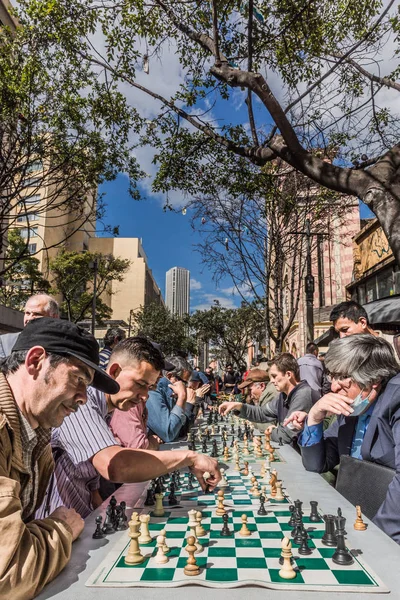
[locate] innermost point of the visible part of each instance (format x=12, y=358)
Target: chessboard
x=234, y=561
x=237, y=492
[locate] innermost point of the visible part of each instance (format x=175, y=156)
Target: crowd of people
x=75, y=422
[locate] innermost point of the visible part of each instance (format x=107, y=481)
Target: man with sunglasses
x=85, y=448
x=365, y=397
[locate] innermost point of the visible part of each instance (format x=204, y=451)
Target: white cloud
x=195, y=285
x=208, y=302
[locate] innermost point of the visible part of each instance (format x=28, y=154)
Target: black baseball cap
x=66, y=339
x=168, y=366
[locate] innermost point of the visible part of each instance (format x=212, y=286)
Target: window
x=28, y=217
x=34, y=166
x=28, y=232
x=32, y=248
x=29, y=200
x=31, y=181
x=385, y=284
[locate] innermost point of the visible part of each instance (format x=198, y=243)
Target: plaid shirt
x=33, y=443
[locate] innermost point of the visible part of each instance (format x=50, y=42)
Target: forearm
x=283, y=433
x=168, y=424
x=124, y=465
x=261, y=414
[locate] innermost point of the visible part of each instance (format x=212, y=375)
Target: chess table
x=97, y=570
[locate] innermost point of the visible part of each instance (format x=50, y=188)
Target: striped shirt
x=81, y=435
x=104, y=357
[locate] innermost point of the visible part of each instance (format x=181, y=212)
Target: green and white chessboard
x=235, y=561
x=237, y=493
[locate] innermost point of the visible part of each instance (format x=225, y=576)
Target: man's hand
x=154, y=442
x=296, y=419
x=203, y=390
x=191, y=396
x=330, y=403
x=179, y=389
x=227, y=407
x=71, y=518
x=202, y=464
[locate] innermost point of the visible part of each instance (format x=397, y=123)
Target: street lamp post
x=94, y=265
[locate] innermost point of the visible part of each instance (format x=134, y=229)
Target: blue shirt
x=164, y=419
x=314, y=433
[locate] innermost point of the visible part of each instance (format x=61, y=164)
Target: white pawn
x=223, y=482
x=163, y=532
x=160, y=557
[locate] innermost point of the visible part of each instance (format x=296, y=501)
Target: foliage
x=228, y=330
x=23, y=276
x=303, y=72
x=73, y=274
x=159, y=324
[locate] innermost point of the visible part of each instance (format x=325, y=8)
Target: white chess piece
x=160, y=557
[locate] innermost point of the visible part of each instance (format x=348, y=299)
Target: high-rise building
x=177, y=290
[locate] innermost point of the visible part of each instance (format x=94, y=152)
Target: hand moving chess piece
x=134, y=556
x=287, y=571
x=244, y=530
x=191, y=567
x=359, y=524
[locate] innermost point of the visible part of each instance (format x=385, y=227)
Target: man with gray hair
x=365, y=397
x=37, y=306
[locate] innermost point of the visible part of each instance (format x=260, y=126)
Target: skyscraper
x=177, y=290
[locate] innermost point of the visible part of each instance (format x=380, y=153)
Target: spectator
x=312, y=370
x=38, y=305
x=350, y=318
x=284, y=373
x=230, y=380
x=113, y=336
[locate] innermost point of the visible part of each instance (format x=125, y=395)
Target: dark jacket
x=278, y=409
x=381, y=445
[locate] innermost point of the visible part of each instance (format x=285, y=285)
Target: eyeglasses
x=339, y=378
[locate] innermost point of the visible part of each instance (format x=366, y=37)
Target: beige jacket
x=33, y=553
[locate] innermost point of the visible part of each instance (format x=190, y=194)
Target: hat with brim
x=254, y=376
x=195, y=376
x=66, y=339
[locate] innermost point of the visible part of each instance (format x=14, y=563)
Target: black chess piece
x=314, y=516
x=304, y=547
x=298, y=530
x=341, y=555
x=121, y=519
x=292, y=520
x=113, y=514
x=225, y=531
x=204, y=448
x=298, y=506
x=280, y=441
x=108, y=526
x=261, y=511
x=190, y=483
x=329, y=537
x=158, y=489
x=232, y=442
x=339, y=514
x=172, y=498
x=232, y=429
x=194, y=446
x=150, y=501
x=98, y=534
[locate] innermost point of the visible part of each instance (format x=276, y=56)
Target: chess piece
x=160, y=558
x=172, y=498
x=287, y=571
x=122, y=520
x=359, y=524
x=166, y=548
x=292, y=520
x=225, y=531
x=98, y=534
x=108, y=526
x=113, y=511
x=272, y=483
x=314, y=516
x=237, y=464
x=134, y=556
x=224, y=482
x=150, y=496
x=261, y=511
x=200, y=531
x=145, y=537
x=279, y=495
x=221, y=508
x=245, y=470
x=341, y=555
x=304, y=549
x=192, y=524
x=159, y=508
x=253, y=487
x=329, y=537
x=244, y=530
x=271, y=456
x=191, y=568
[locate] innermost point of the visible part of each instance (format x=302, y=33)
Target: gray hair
x=52, y=309
x=181, y=364
x=363, y=357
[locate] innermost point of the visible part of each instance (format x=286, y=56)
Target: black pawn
x=113, y=514
x=98, y=534
x=232, y=429
x=304, y=548
x=232, y=442
x=280, y=441
x=314, y=516
x=225, y=531
x=329, y=537
x=292, y=520
x=172, y=498
x=261, y=511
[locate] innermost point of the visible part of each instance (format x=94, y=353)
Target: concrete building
x=138, y=288
x=177, y=290
x=6, y=18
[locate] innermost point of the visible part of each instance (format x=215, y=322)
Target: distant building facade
x=177, y=290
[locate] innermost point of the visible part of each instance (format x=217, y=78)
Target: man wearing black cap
x=42, y=381
x=86, y=449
